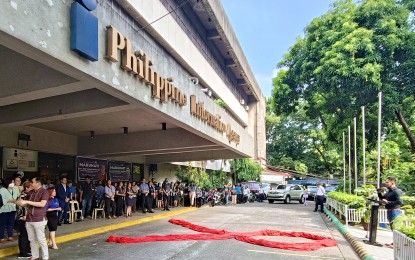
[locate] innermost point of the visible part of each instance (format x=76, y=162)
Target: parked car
x=312, y=190
x=331, y=188
x=266, y=187
x=286, y=193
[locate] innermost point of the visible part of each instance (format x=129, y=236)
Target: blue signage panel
x=119, y=171
x=84, y=32
x=96, y=169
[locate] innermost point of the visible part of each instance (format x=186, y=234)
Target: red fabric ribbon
x=220, y=234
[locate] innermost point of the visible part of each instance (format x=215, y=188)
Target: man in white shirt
x=320, y=194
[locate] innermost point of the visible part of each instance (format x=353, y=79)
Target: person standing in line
x=72, y=189
x=36, y=218
x=24, y=244
x=192, y=193
x=63, y=193
x=120, y=198
x=233, y=194
x=85, y=196
x=9, y=194
x=238, y=193
x=160, y=196
x=261, y=194
x=151, y=195
x=145, y=190
x=52, y=209
x=320, y=195
x=226, y=191
x=109, y=192
x=131, y=198
x=166, y=194
x=392, y=200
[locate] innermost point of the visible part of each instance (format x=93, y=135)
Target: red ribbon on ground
x=220, y=234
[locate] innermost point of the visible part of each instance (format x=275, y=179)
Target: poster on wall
x=20, y=160
x=119, y=171
x=95, y=168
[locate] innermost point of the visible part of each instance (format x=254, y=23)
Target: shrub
x=407, y=200
x=400, y=224
x=353, y=201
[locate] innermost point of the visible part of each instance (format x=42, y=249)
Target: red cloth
x=248, y=237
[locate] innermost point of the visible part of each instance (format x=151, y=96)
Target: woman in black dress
x=52, y=215
x=131, y=199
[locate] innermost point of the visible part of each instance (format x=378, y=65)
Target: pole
x=379, y=136
x=355, y=151
x=364, y=145
x=350, y=168
x=344, y=164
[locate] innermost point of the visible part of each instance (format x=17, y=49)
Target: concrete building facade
x=147, y=97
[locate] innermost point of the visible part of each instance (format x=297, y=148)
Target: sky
x=266, y=29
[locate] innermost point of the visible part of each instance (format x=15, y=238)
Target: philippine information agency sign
x=20, y=160
x=139, y=64
x=119, y=171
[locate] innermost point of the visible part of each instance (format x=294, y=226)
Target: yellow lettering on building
x=139, y=64
x=198, y=110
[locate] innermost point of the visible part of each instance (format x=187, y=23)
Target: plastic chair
x=75, y=209
x=100, y=208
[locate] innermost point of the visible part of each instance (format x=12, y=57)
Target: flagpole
x=379, y=137
x=355, y=151
x=350, y=162
x=364, y=145
x=344, y=164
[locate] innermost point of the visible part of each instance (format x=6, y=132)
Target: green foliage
x=367, y=191
x=406, y=207
x=353, y=201
x=344, y=59
x=220, y=103
x=218, y=179
x=400, y=223
x=340, y=186
x=407, y=200
x=246, y=170
x=190, y=173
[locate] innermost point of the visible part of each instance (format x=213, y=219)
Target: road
x=245, y=217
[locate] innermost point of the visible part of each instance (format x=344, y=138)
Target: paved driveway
x=246, y=217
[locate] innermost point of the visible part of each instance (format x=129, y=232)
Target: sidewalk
x=384, y=236
x=356, y=236
x=89, y=227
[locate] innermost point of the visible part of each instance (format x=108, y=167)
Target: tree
x=296, y=142
x=246, y=170
x=344, y=59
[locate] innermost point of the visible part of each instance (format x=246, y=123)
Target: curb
x=357, y=246
x=13, y=250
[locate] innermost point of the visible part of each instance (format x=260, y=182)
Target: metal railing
x=403, y=246
x=353, y=215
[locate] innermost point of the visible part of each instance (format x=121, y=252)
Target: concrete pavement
x=246, y=217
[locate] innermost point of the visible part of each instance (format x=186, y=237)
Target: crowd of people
x=29, y=206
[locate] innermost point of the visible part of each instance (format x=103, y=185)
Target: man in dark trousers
x=145, y=190
x=392, y=200
x=320, y=194
x=63, y=194
x=86, y=194
x=166, y=196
